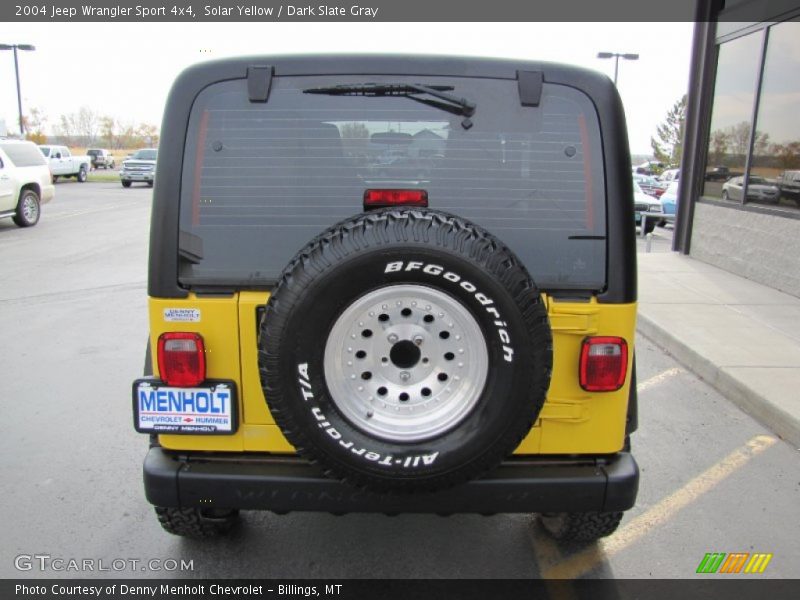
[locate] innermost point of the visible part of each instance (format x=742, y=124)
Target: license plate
x=206, y=410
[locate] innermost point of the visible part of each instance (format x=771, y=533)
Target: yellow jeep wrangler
x=391, y=284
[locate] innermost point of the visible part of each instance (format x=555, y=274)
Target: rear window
x=261, y=180
x=24, y=155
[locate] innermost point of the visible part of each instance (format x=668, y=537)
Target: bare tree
x=87, y=124
x=66, y=129
x=761, y=143
x=108, y=127
x=739, y=135
x=787, y=155
x=719, y=146
x=126, y=136
x=148, y=134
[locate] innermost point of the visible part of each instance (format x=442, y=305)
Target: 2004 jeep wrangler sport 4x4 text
x=391, y=284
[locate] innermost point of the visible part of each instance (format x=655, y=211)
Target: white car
x=642, y=203
x=25, y=182
x=670, y=175
x=758, y=189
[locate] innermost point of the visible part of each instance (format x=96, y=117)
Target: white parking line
x=660, y=513
x=656, y=379
x=84, y=212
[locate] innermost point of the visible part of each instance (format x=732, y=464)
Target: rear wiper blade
x=452, y=104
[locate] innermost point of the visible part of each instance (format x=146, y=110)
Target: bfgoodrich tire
x=581, y=527
x=405, y=350
x=195, y=522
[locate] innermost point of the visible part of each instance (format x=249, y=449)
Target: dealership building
x=740, y=173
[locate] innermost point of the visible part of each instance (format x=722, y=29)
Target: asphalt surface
x=73, y=323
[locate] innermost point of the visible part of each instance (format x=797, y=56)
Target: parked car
x=25, y=182
x=720, y=173
x=141, y=166
x=644, y=203
x=323, y=337
x=669, y=200
x=650, y=185
x=101, y=158
x=64, y=164
x=789, y=185
x=670, y=175
x=758, y=189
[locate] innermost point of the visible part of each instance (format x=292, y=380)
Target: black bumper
x=285, y=484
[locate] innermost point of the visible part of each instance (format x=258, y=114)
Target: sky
x=125, y=70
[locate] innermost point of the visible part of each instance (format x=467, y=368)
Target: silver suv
x=101, y=158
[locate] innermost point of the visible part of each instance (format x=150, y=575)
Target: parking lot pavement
x=73, y=316
x=659, y=241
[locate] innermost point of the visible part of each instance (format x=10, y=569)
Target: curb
x=758, y=406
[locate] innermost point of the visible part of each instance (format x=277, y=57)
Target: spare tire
x=405, y=350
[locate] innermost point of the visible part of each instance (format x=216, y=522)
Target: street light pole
x=14, y=47
x=616, y=56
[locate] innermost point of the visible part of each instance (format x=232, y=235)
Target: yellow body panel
x=572, y=421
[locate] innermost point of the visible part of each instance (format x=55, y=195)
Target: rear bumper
x=285, y=484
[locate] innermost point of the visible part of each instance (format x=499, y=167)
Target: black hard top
x=163, y=268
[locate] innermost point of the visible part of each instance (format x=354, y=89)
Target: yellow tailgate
x=572, y=421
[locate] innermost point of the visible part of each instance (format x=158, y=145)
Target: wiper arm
x=452, y=104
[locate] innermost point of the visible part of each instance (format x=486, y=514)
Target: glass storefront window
x=731, y=115
x=775, y=164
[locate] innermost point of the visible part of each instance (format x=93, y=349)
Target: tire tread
x=582, y=527
x=190, y=522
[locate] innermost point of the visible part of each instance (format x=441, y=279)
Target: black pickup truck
x=720, y=174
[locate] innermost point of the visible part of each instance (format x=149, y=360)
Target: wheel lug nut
x=405, y=375
x=392, y=338
x=418, y=340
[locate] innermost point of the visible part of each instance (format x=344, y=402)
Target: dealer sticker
x=206, y=410
x=182, y=315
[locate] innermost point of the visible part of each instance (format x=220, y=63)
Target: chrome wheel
x=30, y=208
x=406, y=363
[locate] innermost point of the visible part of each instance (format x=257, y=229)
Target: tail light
x=604, y=363
x=181, y=359
x=388, y=198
